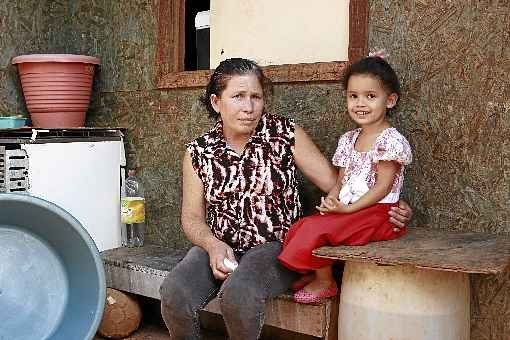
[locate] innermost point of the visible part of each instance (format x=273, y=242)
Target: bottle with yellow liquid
x=133, y=212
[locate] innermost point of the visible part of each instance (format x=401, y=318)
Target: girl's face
x=368, y=100
x=240, y=105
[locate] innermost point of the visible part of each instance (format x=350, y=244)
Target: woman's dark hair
x=378, y=68
x=224, y=72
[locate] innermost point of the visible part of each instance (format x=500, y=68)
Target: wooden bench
x=421, y=278
x=142, y=270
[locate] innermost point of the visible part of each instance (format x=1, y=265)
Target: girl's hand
x=331, y=205
x=322, y=204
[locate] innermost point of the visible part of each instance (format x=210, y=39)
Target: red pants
x=355, y=229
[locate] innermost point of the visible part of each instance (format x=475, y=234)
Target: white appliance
x=77, y=169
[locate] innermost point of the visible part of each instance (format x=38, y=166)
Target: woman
x=239, y=199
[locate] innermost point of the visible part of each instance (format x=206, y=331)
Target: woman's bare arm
x=335, y=191
x=312, y=162
x=193, y=221
x=193, y=207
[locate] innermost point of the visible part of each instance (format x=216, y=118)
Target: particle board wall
x=161, y=122
x=122, y=34
x=25, y=27
x=453, y=111
x=453, y=59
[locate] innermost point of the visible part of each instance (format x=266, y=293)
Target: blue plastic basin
x=52, y=282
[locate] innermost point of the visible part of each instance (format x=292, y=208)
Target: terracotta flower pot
x=56, y=87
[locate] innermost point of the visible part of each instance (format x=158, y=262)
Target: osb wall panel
x=454, y=113
x=161, y=122
x=25, y=27
x=122, y=34
x=319, y=109
x=453, y=58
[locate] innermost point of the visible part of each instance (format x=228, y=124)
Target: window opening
x=196, y=53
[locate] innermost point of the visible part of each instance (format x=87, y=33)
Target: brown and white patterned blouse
x=251, y=198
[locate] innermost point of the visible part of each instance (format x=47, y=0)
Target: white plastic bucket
x=403, y=303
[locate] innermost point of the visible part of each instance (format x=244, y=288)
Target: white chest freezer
x=78, y=169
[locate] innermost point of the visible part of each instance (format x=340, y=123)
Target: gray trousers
x=242, y=296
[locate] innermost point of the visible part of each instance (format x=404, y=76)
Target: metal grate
x=13, y=170
x=2, y=168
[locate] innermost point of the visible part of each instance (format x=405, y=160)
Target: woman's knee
x=187, y=279
x=237, y=296
x=174, y=292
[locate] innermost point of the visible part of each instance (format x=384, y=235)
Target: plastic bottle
x=133, y=212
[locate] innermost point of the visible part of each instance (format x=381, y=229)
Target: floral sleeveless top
x=251, y=198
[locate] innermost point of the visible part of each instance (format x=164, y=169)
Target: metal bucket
x=52, y=282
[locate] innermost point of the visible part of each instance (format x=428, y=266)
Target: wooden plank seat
x=434, y=249
x=142, y=270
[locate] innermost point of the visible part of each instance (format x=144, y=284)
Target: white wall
x=274, y=32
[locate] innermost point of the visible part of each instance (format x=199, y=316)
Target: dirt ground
x=152, y=326
x=159, y=332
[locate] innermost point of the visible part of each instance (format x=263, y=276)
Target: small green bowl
x=12, y=122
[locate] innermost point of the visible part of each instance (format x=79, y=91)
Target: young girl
x=371, y=163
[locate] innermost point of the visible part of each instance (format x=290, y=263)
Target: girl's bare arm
x=386, y=171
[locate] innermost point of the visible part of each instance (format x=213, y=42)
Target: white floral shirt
x=361, y=167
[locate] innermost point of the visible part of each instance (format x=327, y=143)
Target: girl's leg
x=188, y=288
x=258, y=277
x=323, y=286
x=323, y=280
x=303, y=237
x=303, y=281
x=315, y=231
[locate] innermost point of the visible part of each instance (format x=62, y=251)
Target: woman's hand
x=401, y=215
x=218, y=251
x=331, y=205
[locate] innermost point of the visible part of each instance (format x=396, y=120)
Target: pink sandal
x=304, y=296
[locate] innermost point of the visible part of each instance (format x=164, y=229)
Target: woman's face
x=240, y=105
